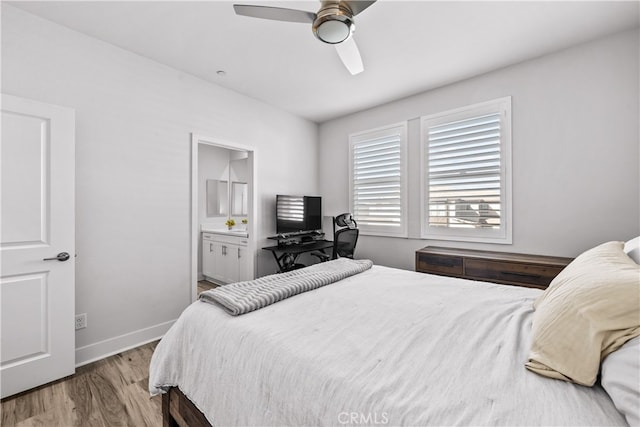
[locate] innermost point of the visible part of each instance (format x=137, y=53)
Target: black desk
x=286, y=255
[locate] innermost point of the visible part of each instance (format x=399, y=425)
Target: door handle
x=62, y=256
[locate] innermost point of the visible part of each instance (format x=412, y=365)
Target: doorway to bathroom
x=223, y=226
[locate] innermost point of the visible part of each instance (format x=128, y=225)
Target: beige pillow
x=589, y=310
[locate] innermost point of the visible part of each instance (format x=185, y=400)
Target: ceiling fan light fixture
x=334, y=22
x=334, y=31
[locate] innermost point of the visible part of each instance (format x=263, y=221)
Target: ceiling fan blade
x=357, y=6
x=350, y=56
x=275, y=13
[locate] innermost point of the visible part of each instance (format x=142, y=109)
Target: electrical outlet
x=81, y=321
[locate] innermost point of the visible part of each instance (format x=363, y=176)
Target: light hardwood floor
x=110, y=392
x=203, y=285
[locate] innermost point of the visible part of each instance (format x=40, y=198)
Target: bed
x=382, y=347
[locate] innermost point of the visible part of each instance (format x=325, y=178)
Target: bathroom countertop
x=233, y=232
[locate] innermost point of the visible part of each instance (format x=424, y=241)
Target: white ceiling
x=407, y=46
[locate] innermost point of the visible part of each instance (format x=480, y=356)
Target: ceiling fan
x=333, y=24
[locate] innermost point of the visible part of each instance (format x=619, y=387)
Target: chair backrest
x=345, y=236
x=344, y=242
x=343, y=220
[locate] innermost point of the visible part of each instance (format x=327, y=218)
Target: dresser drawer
x=535, y=271
x=510, y=272
x=439, y=264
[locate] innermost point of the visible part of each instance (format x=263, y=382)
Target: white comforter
x=384, y=347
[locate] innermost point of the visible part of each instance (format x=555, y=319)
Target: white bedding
x=386, y=346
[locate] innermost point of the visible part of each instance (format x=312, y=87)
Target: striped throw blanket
x=243, y=297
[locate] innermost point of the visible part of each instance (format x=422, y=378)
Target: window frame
x=379, y=132
x=503, y=235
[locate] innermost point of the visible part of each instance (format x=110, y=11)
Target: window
x=466, y=170
x=378, y=180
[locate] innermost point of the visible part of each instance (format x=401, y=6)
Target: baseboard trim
x=102, y=349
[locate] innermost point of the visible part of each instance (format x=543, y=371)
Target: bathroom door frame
x=196, y=140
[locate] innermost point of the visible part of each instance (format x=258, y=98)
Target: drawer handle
x=528, y=275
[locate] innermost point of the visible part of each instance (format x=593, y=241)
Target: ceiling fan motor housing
x=334, y=22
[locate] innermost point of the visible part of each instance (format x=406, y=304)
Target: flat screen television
x=298, y=214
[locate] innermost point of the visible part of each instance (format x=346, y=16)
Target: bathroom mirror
x=239, y=198
x=217, y=197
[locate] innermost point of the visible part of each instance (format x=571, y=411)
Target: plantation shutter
x=378, y=176
x=465, y=172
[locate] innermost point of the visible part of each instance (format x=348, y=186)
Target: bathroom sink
x=241, y=233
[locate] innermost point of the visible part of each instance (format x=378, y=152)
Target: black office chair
x=345, y=238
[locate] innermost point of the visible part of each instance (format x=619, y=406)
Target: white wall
x=576, y=157
x=134, y=118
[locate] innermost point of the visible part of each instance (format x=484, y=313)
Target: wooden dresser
x=534, y=271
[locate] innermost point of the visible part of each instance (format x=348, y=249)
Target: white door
x=218, y=272
x=230, y=263
x=243, y=264
x=37, y=297
x=211, y=258
x=207, y=258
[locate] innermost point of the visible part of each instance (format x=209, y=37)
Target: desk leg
x=278, y=261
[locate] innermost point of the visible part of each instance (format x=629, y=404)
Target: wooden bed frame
x=179, y=411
